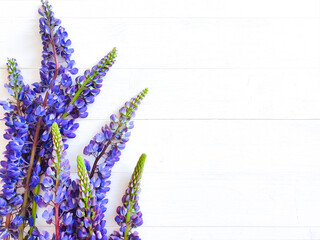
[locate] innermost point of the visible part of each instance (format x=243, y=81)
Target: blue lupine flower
x=129, y=215
x=87, y=87
x=56, y=180
x=15, y=79
x=87, y=201
x=116, y=134
x=37, y=235
x=108, y=145
x=55, y=45
x=12, y=170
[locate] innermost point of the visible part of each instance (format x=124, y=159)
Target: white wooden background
x=231, y=124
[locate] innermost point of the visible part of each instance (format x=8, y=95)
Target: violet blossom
x=107, y=145
x=13, y=170
x=55, y=182
x=129, y=215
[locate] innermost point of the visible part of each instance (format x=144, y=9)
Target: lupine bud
x=56, y=180
x=86, y=195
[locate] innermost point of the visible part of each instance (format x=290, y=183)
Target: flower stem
x=126, y=233
x=8, y=220
x=57, y=205
x=75, y=97
x=34, y=205
x=56, y=213
x=129, y=112
x=26, y=193
x=98, y=158
x=103, y=152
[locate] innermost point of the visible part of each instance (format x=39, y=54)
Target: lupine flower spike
x=87, y=201
x=116, y=134
x=55, y=183
x=129, y=215
x=89, y=225
x=12, y=170
x=107, y=145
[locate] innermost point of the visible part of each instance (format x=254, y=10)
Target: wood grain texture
x=207, y=43
x=235, y=200
x=217, y=94
x=231, y=124
x=167, y=9
x=222, y=233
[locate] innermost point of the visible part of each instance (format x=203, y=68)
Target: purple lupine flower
x=15, y=79
x=55, y=45
x=108, y=145
x=88, y=226
x=13, y=169
x=57, y=178
x=129, y=215
x=22, y=94
x=115, y=135
x=68, y=228
x=87, y=87
x=37, y=235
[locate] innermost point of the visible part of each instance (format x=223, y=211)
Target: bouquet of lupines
x=35, y=173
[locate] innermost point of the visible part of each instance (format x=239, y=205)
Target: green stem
x=34, y=205
x=126, y=233
x=57, y=205
x=26, y=193
x=34, y=208
x=95, y=164
x=75, y=97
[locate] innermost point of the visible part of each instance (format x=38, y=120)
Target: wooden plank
x=225, y=233
x=230, y=233
x=206, y=93
x=216, y=146
x=154, y=43
x=213, y=146
x=165, y=8
x=218, y=200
